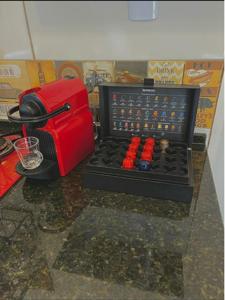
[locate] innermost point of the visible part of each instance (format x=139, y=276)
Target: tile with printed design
x=96, y=72
x=130, y=71
x=69, y=69
x=166, y=72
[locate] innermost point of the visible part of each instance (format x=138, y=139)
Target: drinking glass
x=27, y=149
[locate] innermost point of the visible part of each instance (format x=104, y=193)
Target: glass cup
x=27, y=149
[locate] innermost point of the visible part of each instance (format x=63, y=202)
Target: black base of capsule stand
x=139, y=186
x=100, y=174
x=48, y=170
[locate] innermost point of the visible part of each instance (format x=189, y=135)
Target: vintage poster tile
x=41, y=72
x=203, y=73
x=210, y=91
x=130, y=71
x=13, y=80
x=208, y=75
x=205, y=112
x=69, y=69
x=96, y=72
x=166, y=72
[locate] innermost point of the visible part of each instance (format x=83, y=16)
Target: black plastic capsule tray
x=171, y=166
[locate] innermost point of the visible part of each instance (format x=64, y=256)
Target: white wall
x=101, y=30
x=216, y=150
x=14, y=41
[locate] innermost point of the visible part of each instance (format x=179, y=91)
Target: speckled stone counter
x=61, y=241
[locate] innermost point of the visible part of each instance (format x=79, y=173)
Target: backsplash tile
x=65, y=69
x=208, y=75
x=166, y=72
x=210, y=91
x=96, y=72
x=41, y=72
x=203, y=73
x=130, y=71
x=14, y=78
x=205, y=112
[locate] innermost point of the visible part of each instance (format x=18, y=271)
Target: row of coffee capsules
x=146, y=155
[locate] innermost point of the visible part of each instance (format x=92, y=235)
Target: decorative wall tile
x=41, y=72
x=208, y=75
x=210, y=91
x=69, y=69
x=96, y=72
x=203, y=73
x=14, y=79
x=205, y=112
x=166, y=72
x=130, y=71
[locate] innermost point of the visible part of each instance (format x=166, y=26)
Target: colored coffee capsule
x=131, y=154
x=128, y=163
x=135, y=140
x=150, y=141
x=148, y=147
x=146, y=156
x=164, y=144
x=144, y=165
x=133, y=147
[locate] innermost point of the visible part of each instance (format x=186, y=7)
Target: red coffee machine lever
x=58, y=115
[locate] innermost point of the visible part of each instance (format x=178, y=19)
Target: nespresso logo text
x=148, y=90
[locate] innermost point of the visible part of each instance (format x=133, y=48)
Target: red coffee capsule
x=146, y=155
x=150, y=141
x=128, y=163
x=133, y=147
x=131, y=154
x=135, y=140
x=149, y=148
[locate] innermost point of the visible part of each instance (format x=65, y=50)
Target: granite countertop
x=61, y=241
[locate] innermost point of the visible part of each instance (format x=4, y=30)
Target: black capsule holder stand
x=103, y=173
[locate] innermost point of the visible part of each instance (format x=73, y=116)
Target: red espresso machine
x=58, y=115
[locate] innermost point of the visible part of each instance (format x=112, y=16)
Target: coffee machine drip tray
x=48, y=170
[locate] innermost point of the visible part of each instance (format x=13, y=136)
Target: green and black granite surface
x=61, y=241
